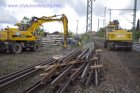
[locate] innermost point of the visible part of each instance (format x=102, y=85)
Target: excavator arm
x=37, y=22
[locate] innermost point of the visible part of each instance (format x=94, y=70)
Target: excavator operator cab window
x=110, y=29
x=23, y=27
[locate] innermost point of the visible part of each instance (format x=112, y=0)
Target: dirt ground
x=121, y=73
x=121, y=70
x=12, y=62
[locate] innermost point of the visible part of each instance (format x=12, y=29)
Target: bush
x=137, y=34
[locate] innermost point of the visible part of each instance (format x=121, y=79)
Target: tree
x=137, y=34
x=85, y=37
x=101, y=32
x=138, y=26
x=25, y=20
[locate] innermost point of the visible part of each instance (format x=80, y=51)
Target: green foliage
x=71, y=34
x=137, y=34
x=25, y=20
x=101, y=32
x=85, y=37
x=41, y=32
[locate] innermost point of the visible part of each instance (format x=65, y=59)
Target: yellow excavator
x=116, y=37
x=14, y=40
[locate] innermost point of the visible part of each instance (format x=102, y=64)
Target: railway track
x=78, y=64
x=15, y=77
x=59, y=78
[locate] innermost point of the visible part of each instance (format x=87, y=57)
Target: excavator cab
x=113, y=26
x=110, y=28
x=23, y=27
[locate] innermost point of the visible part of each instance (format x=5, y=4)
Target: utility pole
x=104, y=17
x=110, y=15
x=89, y=19
x=89, y=16
x=134, y=18
x=98, y=23
x=77, y=27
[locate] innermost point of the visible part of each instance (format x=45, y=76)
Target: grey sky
x=74, y=9
x=79, y=6
x=131, y=4
x=5, y=15
x=98, y=8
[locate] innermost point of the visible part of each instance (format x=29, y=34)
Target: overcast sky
x=12, y=11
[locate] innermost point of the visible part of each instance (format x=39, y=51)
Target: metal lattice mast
x=89, y=16
x=89, y=20
x=134, y=18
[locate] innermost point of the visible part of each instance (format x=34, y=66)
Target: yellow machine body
x=26, y=34
x=117, y=38
x=119, y=35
